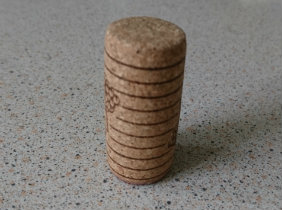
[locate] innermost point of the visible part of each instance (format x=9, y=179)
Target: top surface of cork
x=145, y=42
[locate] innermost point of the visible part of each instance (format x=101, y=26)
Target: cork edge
x=140, y=181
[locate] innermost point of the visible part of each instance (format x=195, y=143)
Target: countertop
x=52, y=143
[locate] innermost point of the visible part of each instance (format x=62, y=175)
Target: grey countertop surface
x=52, y=143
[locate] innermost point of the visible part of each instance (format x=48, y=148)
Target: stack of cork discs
x=144, y=66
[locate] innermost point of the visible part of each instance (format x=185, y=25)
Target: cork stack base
x=144, y=67
x=139, y=181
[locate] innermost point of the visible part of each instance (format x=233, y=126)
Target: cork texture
x=144, y=68
x=145, y=42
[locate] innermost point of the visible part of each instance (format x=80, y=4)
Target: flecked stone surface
x=52, y=143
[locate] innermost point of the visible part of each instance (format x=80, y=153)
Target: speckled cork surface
x=145, y=42
x=140, y=148
x=52, y=142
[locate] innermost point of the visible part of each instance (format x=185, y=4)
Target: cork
x=144, y=59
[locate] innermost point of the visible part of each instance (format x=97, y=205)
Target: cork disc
x=145, y=42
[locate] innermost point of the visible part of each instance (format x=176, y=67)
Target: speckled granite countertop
x=52, y=143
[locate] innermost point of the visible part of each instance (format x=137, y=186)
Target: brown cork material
x=144, y=69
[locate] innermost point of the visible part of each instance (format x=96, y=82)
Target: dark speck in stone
x=168, y=202
x=13, y=184
x=212, y=142
x=105, y=180
x=195, y=194
x=204, y=189
x=271, y=150
x=177, y=179
x=241, y=181
x=73, y=169
x=77, y=204
x=250, y=151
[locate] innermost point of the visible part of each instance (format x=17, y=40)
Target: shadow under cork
x=199, y=145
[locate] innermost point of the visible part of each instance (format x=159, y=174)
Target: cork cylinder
x=144, y=66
